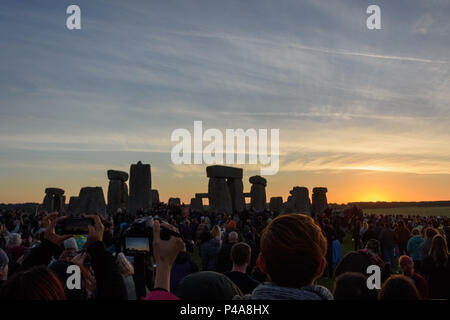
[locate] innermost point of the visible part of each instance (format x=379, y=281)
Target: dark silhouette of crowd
x=252, y=255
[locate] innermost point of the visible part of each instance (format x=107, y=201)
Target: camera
x=138, y=237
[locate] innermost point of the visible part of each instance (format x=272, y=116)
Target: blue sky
x=349, y=102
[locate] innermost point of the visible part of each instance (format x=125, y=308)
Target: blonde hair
x=125, y=267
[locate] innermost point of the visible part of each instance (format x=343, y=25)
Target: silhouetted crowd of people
x=253, y=255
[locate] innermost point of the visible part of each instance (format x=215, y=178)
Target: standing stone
x=117, y=191
x=91, y=200
x=299, y=201
x=196, y=204
x=319, y=200
x=140, y=188
x=174, y=202
x=258, y=193
x=54, y=200
x=73, y=201
x=236, y=188
x=276, y=204
x=155, y=198
x=219, y=196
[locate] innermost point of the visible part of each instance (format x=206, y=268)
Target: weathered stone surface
x=219, y=196
x=47, y=203
x=258, y=197
x=140, y=188
x=319, y=200
x=236, y=188
x=218, y=171
x=258, y=193
x=196, y=204
x=276, y=204
x=117, y=196
x=91, y=200
x=54, y=191
x=155, y=197
x=201, y=195
x=258, y=180
x=117, y=175
x=54, y=200
x=299, y=201
x=73, y=201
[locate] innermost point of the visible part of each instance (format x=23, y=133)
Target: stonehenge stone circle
x=154, y=198
x=219, y=196
x=73, y=201
x=298, y=201
x=258, y=193
x=91, y=200
x=319, y=200
x=117, y=191
x=117, y=175
x=196, y=204
x=276, y=204
x=225, y=189
x=54, y=200
x=140, y=188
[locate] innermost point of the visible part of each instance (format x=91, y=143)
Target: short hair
x=233, y=236
x=292, y=248
x=353, y=286
x=37, y=283
x=240, y=253
x=14, y=240
x=399, y=287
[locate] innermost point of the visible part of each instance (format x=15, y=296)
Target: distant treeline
x=28, y=207
x=386, y=205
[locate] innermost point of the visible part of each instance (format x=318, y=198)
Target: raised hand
x=50, y=223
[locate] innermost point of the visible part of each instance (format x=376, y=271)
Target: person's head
x=415, y=232
x=399, y=287
x=374, y=245
x=125, y=267
x=37, y=283
x=233, y=237
x=207, y=285
x=4, y=261
x=430, y=232
x=407, y=265
x=205, y=236
x=70, y=243
x=14, y=240
x=439, y=250
x=241, y=254
x=215, y=232
x=353, y=286
x=293, y=250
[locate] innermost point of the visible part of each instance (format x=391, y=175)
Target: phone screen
x=77, y=226
x=136, y=244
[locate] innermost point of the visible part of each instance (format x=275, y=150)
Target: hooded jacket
x=270, y=291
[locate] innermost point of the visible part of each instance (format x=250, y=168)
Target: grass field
x=415, y=211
